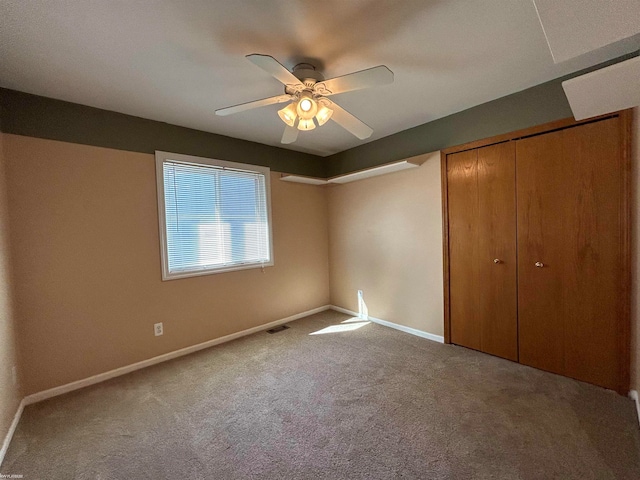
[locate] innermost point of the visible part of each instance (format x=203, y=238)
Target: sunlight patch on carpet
x=355, y=320
x=341, y=328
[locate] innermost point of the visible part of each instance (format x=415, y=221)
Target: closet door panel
x=464, y=289
x=593, y=255
x=497, y=250
x=544, y=190
x=569, y=186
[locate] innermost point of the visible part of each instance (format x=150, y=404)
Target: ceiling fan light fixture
x=306, y=124
x=305, y=90
x=288, y=114
x=307, y=106
x=323, y=115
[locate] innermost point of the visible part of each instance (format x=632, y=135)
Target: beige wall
x=385, y=238
x=635, y=254
x=87, y=267
x=84, y=227
x=10, y=394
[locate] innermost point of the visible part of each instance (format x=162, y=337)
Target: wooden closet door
x=482, y=249
x=570, y=305
x=542, y=194
x=593, y=327
x=464, y=259
x=497, y=250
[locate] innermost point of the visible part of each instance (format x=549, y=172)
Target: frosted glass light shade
x=288, y=114
x=306, y=124
x=307, y=107
x=323, y=115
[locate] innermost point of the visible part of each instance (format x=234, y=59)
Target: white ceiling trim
x=604, y=91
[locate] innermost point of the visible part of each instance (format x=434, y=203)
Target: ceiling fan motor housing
x=307, y=74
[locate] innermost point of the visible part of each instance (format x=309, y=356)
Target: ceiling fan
x=307, y=91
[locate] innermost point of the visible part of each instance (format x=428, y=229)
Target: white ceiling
x=575, y=27
x=178, y=61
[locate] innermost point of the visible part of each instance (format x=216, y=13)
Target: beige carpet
x=368, y=403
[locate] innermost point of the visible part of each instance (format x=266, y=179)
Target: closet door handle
x=539, y=264
x=497, y=260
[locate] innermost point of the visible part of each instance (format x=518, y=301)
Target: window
x=214, y=216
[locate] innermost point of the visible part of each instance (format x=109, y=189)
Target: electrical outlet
x=14, y=375
x=157, y=329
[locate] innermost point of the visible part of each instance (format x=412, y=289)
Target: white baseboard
x=12, y=429
x=402, y=328
x=101, y=377
x=633, y=394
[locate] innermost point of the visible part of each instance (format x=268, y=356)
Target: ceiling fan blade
x=290, y=135
x=349, y=122
x=274, y=68
x=372, y=77
x=255, y=104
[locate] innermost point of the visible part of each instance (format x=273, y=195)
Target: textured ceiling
x=179, y=61
x=575, y=27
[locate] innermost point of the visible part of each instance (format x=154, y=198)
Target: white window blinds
x=216, y=218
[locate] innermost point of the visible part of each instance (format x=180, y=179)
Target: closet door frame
x=626, y=119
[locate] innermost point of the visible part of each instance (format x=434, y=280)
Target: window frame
x=161, y=159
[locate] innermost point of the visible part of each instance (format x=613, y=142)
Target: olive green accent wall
x=42, y=117
x=534, y=106
x=35, y=116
